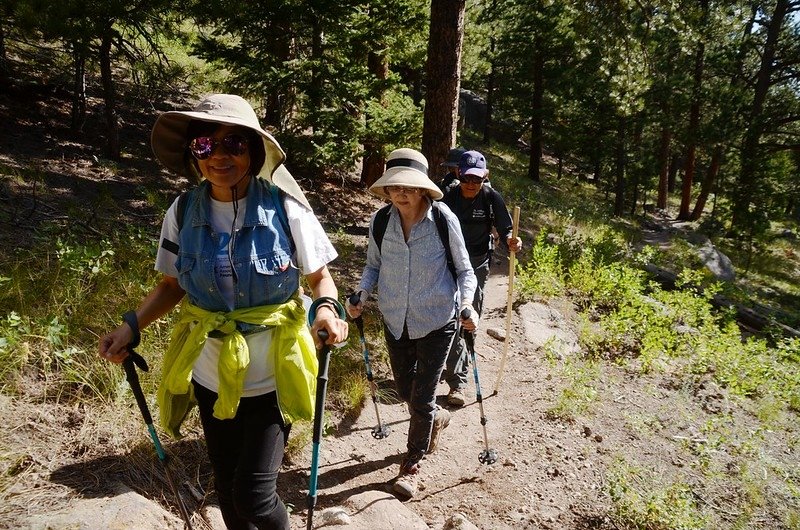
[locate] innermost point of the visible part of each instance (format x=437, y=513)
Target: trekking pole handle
x=138, y=360
x=133, y=381
x=354, y=300
x=469, y=336
x=466, y=313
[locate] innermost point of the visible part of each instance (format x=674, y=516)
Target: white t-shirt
x=313, y=250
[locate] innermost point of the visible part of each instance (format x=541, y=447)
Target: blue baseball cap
x=472, y=163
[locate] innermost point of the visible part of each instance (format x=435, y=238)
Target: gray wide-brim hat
x=453, y=156
x=168, y=138
x=409, y=168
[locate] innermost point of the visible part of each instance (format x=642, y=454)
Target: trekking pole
x=319, y=408
x=487, y=456
x=133, y=381
x=509, y=308
x=381, y=430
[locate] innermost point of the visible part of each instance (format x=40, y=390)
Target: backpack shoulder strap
x=488, y=204
x=180, y=214
x=444, y=235
x=183, y=202
x=379, y=225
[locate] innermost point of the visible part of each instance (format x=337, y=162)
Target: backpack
x=183, y=202
x=485, y=196
x=382, y=221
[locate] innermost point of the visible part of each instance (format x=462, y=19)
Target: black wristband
x=130, y=318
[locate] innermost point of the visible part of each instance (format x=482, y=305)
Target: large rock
x=547, y=326
x=123, y=511
x=378, y=509
x=718, y=263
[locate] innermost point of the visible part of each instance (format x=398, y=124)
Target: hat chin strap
x=235, y=186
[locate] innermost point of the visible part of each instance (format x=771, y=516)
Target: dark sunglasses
x=471, y=179
x=203, y=146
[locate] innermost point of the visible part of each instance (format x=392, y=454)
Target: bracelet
x=328, y=305
x=129, y=317
x=333, y=303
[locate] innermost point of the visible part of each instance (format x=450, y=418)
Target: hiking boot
x=456, y=398
x=407, y=481
x=440, y=421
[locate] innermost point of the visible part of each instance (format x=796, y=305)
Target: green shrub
x=643, y=500
x=543, y=274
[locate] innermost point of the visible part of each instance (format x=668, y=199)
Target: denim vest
x=261, y=252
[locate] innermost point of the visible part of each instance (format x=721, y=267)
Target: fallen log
x=751, y=319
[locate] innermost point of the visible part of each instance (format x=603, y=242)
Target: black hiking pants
x=457, y=366
x=246, y=453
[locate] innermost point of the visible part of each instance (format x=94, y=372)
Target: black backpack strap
x=379, y=225
x=444, y=235
x=180, y=213
x=488, y=204
x=183, y=202
x=487, y=193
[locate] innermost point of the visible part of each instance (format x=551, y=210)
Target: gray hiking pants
x=417, y=366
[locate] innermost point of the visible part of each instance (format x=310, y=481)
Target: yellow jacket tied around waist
x=292, y=349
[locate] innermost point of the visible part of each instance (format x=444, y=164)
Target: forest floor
x=639, y=431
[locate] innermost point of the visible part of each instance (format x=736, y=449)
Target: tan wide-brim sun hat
x=169, y=142
x=409, y=168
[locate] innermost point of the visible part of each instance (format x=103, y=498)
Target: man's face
x=471, y=185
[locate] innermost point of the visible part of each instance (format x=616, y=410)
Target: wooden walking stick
x=511, y=266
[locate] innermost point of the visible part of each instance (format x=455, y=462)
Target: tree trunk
x=597, y=173
x=619, y=186
x=5, y=70
x=490, y=81
x=442, y=74
x=672, y=176
x=315, y=90
x=708, y=183
x=694, y=124
x=109, y=96
x=637, y=168
x=663, y=174
x=278, y=101
x=752, y=136
x=79, y=90
x=535, y=160
x=373, y=161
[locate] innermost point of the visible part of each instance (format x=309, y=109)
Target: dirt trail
x=542, y=476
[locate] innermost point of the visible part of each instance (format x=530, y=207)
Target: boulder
x=127, y=509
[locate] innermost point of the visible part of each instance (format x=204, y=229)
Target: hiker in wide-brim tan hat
x=406, y=168
x=232, y=252
x=417, y=260
x=171, y=145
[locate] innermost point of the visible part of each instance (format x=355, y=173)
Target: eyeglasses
x=401, y=189
x=203, y=146
x=471, y=179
